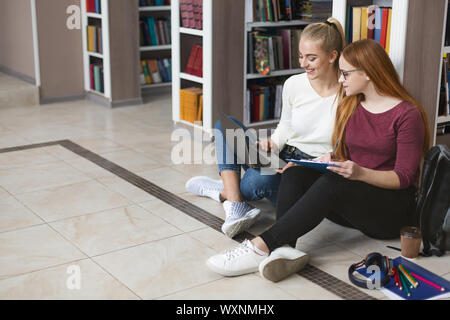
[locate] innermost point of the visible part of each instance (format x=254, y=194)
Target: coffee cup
x=411, y=238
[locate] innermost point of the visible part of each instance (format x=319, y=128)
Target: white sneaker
x=283, y=262
x=239, y=217
x=205, y=187
x=243, y=259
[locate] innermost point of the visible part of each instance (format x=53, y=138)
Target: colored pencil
x=407, y=276
x=396, y=278
x=428, y=282
x=405, y=285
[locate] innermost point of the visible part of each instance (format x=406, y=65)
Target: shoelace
x=236, y=252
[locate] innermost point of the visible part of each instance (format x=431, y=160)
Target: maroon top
x=392, y=140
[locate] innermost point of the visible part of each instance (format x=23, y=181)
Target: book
x=356, y=35
x=191, y=60
x=295, y=41
x=198, y=63
x=286, y=43
x=422, y=292
x=189, y=103
x=388, y=36
x=319, y=166
x=384, y=25
x=153, y=66
x=261, y=54
x=378, y=22
x=364, y=19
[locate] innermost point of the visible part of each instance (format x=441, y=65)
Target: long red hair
x=369, y=56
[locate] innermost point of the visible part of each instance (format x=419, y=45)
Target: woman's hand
x=290, y=164
x=347, y=169
x=325, y=158
x=267, y=145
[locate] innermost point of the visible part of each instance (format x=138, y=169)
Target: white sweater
x=307, y=119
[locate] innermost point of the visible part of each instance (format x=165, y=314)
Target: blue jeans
x=253, y=185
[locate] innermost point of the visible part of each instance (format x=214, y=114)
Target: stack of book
x=156, y=71
x=316, y=10
x=273, y=49
x=154, y=32
x=279, y=10
x=93, y=6
x=94, y=38
x=370, y=22
x=96, y=77
x=444, y=97
x=191, y=104
x=191, y=12
x=195, y=61
x=149, y=3
x=263, y=102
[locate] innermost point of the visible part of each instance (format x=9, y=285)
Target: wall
x=60, y=52
x=16, y=38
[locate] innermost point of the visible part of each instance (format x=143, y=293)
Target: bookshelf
x=225, y=52
x=117, y=37
x=101, y=58
x=183, y=39
x=443, y=117
x=416, y=47
x=156, y=45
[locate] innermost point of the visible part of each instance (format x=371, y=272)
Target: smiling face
x=314, y=59
x=354, y=80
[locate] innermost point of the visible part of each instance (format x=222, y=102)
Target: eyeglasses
x=345, y=73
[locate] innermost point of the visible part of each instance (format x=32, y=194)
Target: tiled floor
x=59, y=210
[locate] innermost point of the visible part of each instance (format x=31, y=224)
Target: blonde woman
x=381, y=134
x=304, y=130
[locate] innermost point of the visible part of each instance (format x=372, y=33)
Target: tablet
x=320, y=166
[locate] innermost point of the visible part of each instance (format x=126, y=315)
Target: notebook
x=422, y=292
x=253, y=156
x=319, y=166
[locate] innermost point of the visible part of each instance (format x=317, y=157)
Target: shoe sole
x=230, y=273
x=279, y=268
x=240, y=225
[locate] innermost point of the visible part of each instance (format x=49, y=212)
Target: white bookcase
x=398, y=27
x=444, y=118
x=160, y=50
x=104, y=56
x=205, y=37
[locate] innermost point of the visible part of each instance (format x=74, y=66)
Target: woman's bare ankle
x=260, y=244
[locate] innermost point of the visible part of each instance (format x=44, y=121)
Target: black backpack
x=433, y=201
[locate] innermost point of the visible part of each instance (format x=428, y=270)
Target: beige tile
x=205, y=203
x=172, y=215
x=23, y=158
x=57, y=283
x=14, y=215
x=336, y=261
x=160, y=268
x=44, y=132
x=247, y=287
x=38, y=177
x=131, y=160
x=166, y=178
x=60, y=152
x=114, y=229
x=126, y=189
x=304, y=289
x=89, y=168
x=214, y=239
x=33, y=249
x=72, y=200
x=4, y=193
x=10, y=139
x=99, y=145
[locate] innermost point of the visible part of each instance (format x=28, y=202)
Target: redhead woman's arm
x=381, y=179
